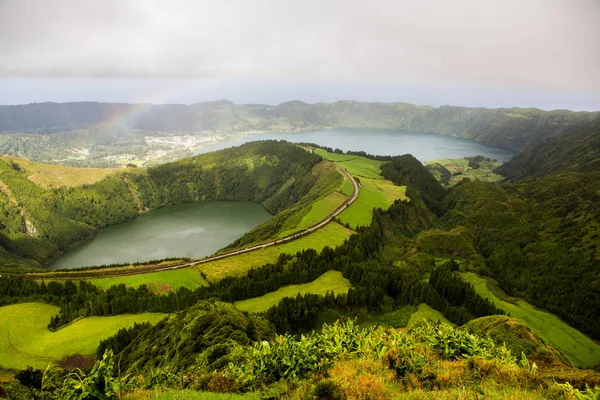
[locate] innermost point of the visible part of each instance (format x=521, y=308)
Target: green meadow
x=329, y=281
x=319, y=210
x=426, y=312
x=187, y=277
x=25, y=339
x=581, y=350
x=346, y=188
x=332, y=235
x=374, y=193
x=356, y=165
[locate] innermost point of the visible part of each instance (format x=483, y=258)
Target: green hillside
x=40, y=221
x=509, y=268
x=25, y=339
x=577, y=152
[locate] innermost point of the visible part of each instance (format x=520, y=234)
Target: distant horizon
x=296, y=100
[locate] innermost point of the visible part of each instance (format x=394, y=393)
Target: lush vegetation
x=25, y=339
x=219, y=349
x=356, y=165
x=157, y=282
x=432, y=256
x=374, y=193
x=451, y=171
x=52, y=176
x=581, y=350
x=36, y=224
x=576, y=152
x=331, y=281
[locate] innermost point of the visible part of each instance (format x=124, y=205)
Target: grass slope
x=360, y=166
x=51, y=176
x=374, y=193
x=318, y=212
x=25, y=339
x=188, y=277
x=332, y=235
x=329, y=281
x=581, y=350
x=424, y=311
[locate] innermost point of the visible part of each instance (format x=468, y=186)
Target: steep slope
x=201, y=336
x=577, y=152
x=518, y=338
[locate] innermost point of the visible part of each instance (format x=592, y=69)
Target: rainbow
x=129, y=113
x=165, y=95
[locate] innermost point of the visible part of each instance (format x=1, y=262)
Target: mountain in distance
x=514, y=128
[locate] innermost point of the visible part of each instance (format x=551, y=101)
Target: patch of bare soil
x=77, y=361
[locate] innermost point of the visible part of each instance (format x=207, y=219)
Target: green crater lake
x=191, y=230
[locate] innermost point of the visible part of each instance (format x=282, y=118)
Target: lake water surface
x=186, y=230
x=423, y=146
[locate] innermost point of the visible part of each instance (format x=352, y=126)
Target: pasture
x=51, y=176
x=25, y=339
x=356, y=165
x=187, y=277
x=581, y=350
x=329, y=281
x=374, y=193
x=319, y=210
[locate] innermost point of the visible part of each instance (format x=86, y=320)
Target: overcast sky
x=543, y=53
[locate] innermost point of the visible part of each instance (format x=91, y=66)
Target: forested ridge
x=36, y=224
x=514, y=128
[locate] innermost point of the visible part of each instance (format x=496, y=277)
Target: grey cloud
x=550, y=44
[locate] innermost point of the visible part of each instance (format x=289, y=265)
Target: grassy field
x=188, y=277
x=360, y=166
x=374, y=193
x=318, y=211
x=461, y=166
x=26, y=340
x=329, y=281
x=347, y=188
x=581, y=350
x=332, y=235
x=424, y=311
x=49, y=176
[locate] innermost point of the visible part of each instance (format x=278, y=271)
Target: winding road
x=149, y=269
